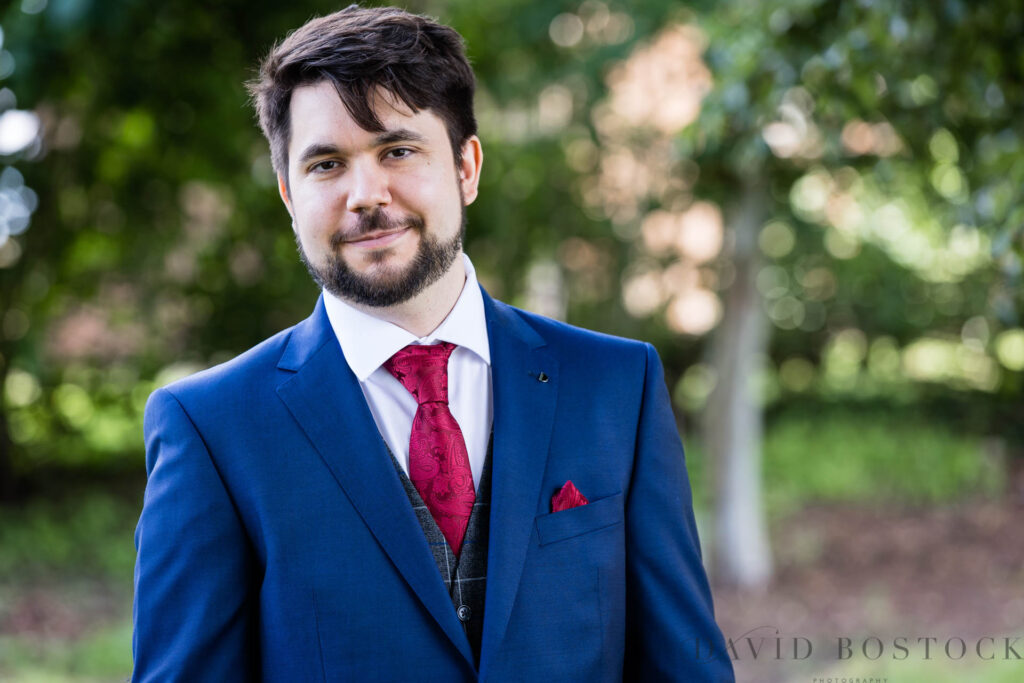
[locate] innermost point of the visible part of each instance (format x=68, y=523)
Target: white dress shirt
x=368, y=342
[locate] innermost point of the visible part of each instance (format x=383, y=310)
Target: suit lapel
x=325, y=399
x=524, y=408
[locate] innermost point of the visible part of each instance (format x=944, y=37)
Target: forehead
x=319, y=116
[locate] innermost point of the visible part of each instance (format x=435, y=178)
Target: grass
x=939, y=670
x=875, y=457
x=65, y=588
x=101, y=656
x=88, y=533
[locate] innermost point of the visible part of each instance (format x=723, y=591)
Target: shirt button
x=464, y=613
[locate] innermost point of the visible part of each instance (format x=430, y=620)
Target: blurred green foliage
x=895, y=457
x=83, y=534
x=102, y=656
x=160, y=246
x=65, y=586
x=880, y=458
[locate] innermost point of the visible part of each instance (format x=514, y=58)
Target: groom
x=418, y=482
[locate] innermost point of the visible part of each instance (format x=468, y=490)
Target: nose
x=368, y=187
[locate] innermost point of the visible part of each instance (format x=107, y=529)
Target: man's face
x=378, y=217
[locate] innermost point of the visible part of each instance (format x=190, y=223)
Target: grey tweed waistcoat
x=464, y=576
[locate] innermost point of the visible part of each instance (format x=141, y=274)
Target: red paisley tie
x=438, y=460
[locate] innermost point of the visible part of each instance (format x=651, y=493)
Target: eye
x=399, y=153
x=324, y=166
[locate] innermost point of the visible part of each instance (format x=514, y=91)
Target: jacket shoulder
x=561, y=335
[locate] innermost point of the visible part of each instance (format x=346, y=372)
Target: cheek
x=432, y=194
x=312, y=215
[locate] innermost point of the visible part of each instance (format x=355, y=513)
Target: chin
x=387, y=276
x=383, y=263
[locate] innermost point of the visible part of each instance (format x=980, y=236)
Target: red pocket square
x=567, y=497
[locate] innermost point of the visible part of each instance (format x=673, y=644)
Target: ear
x=469, y=168
x=282, y=188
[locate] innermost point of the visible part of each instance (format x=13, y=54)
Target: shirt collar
x=367, y=341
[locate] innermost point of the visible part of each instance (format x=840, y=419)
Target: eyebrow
x=388, y=137
x=315, y=150
x=399, y=135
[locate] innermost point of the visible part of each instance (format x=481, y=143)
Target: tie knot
x=423, y=370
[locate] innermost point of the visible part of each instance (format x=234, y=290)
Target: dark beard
x=433, y=259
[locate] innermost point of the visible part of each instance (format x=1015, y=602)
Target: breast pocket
x=584, y=519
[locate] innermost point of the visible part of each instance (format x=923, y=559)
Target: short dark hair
x=416, y=59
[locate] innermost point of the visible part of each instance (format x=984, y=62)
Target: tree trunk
x=733, y=417
x=545, y=289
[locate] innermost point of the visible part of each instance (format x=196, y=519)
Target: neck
x=422, y=314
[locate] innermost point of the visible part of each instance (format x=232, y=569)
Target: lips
x=377, y=239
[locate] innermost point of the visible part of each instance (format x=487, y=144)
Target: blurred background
x=812, y=208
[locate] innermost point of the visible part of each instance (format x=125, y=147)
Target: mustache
x=373, y=221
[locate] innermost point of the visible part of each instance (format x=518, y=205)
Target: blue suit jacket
x=276, y=541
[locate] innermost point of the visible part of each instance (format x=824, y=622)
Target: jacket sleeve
x=671, y=634
x=193, y=611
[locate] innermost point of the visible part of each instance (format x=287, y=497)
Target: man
x=417, y=483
